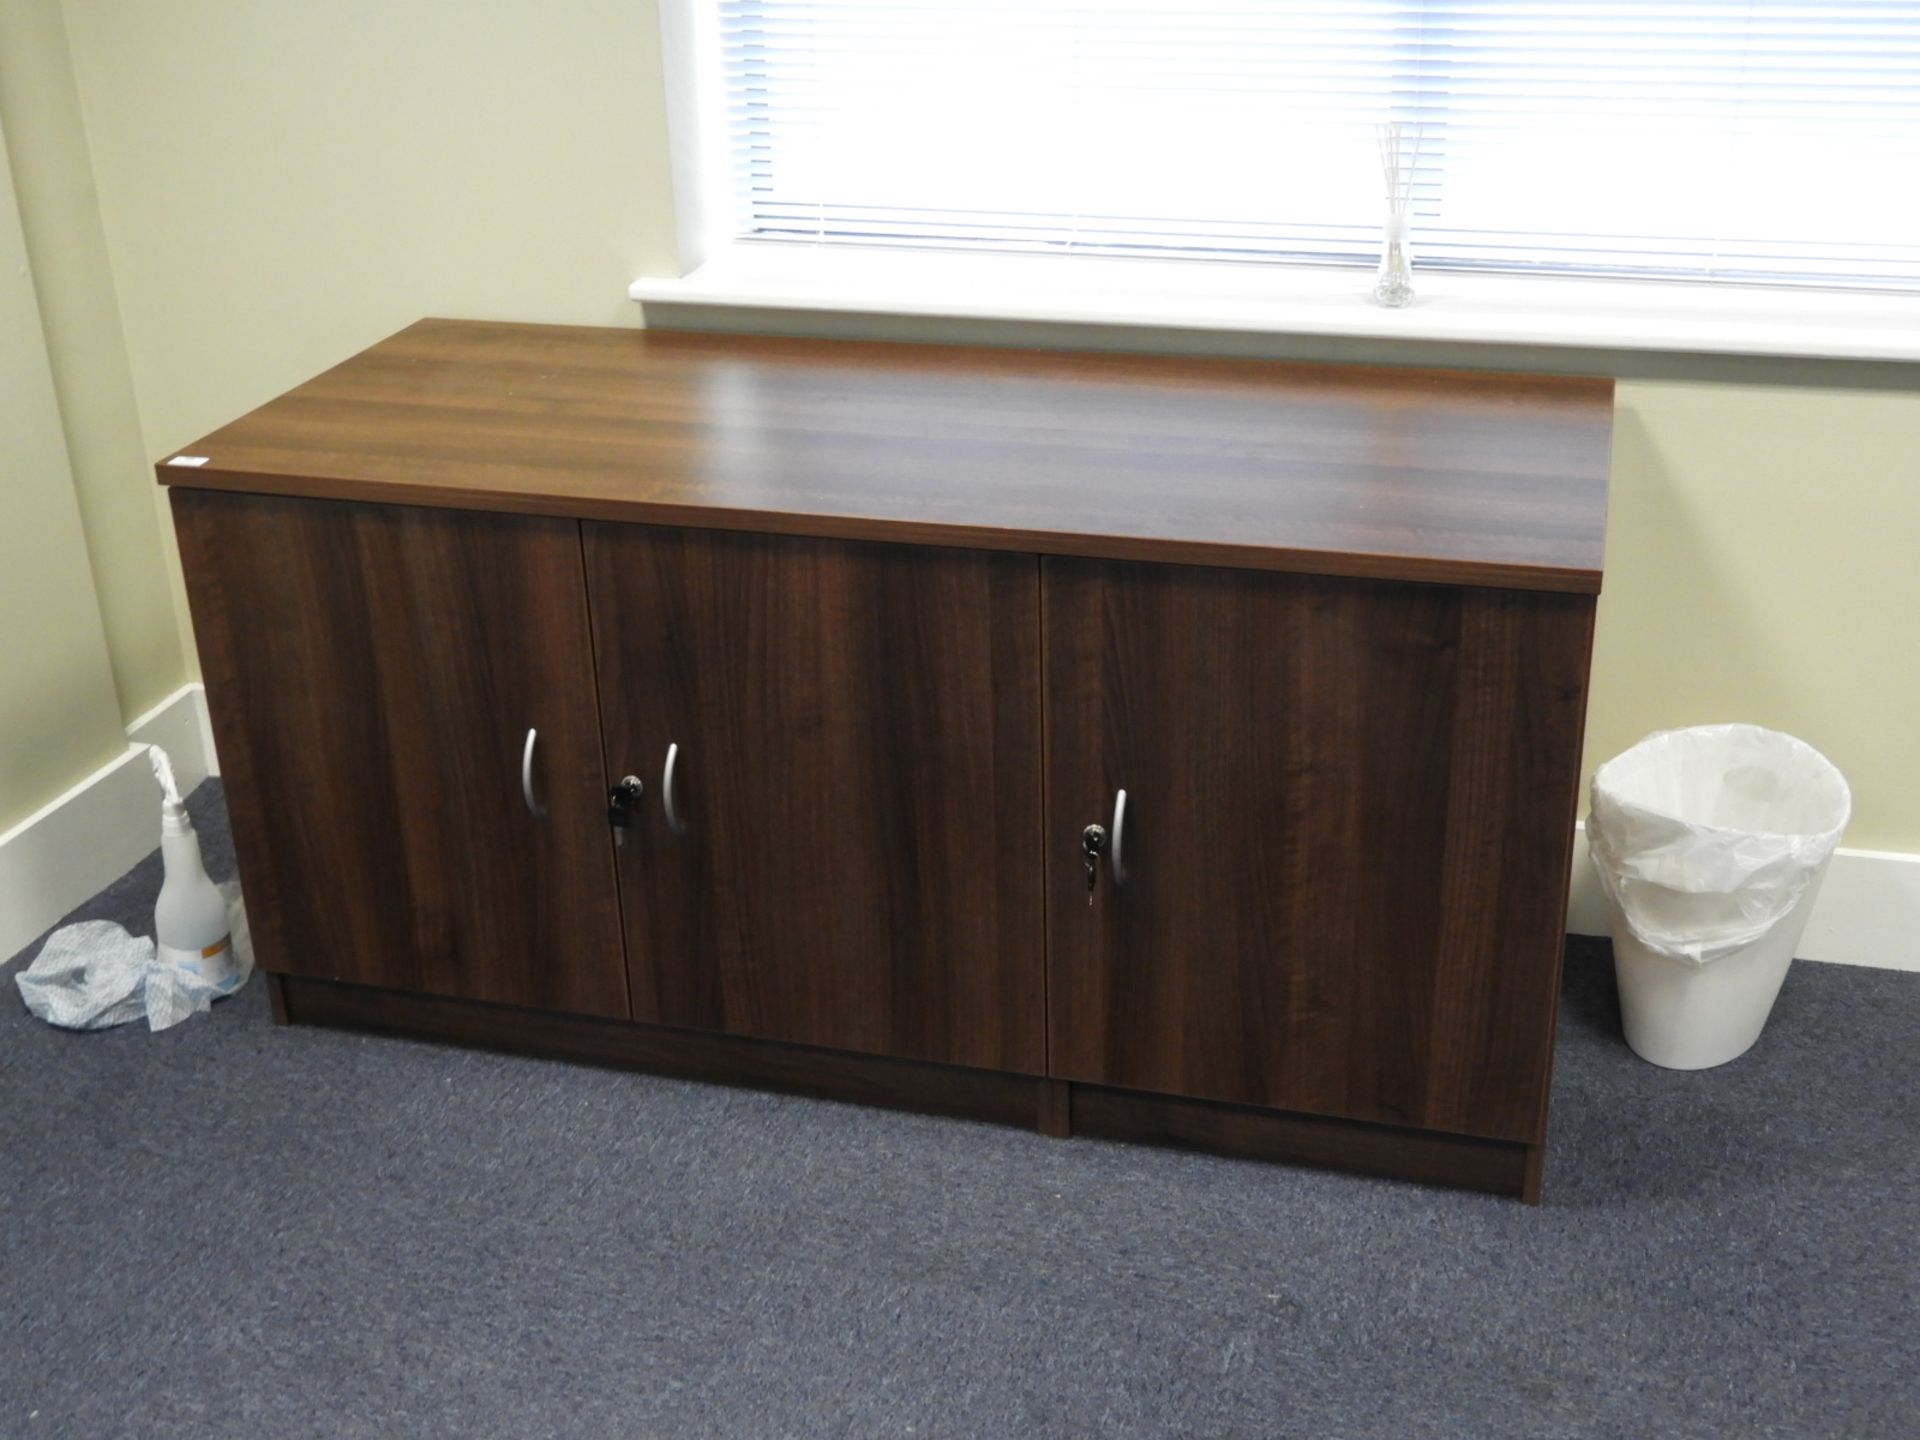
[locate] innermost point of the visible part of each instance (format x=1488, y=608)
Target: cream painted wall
x=283, y=182
x=59, y=718
x=53, y=177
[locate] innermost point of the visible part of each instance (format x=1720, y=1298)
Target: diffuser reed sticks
x=1399, y=165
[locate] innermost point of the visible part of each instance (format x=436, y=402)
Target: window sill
x=1448, y=308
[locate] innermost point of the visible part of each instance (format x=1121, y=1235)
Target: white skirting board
x=1868, y=912
x=80, y=842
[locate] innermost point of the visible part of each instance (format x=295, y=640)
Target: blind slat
x=1750, y=140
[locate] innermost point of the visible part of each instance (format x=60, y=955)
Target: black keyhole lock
x=621, y=800
x=1093, y=843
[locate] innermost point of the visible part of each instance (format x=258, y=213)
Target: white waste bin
x=1710, y=844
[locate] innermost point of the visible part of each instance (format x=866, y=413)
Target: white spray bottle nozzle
x=173, y=810
x=163, y=772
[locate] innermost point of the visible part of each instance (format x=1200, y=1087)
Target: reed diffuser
x=1399, y=163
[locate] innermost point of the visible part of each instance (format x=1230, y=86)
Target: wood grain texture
x=371, y=675
x=1001, y=1098
x=1349, y=832
x=859, y=733
x=1464, y=477
x=1427, y=1157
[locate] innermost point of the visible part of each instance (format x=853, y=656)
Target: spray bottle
x=190, y=921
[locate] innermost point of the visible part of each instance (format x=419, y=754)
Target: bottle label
x=213, y=964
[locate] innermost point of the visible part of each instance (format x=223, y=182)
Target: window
x=1732, y=140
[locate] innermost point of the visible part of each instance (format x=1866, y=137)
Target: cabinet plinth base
x=1431, y=1157
x=1054, y=1107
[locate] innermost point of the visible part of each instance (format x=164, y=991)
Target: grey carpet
x=232, y=1230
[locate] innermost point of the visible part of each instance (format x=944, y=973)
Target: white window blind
x=1749, y=140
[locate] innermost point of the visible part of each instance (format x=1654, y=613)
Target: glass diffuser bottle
x=1393, y=281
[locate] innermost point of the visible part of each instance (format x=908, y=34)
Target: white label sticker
x=188, y=460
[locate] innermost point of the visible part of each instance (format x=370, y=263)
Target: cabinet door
x=1350, y=812
x=857, y=779
x=373, y=673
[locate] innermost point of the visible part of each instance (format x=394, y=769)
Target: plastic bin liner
x=1704, y=838
x=93, y=974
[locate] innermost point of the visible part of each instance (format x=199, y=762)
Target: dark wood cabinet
x=907, y=619
x=1344, y=843
x=376, y=671
x=852, y=857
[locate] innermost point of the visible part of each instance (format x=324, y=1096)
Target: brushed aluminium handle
x=675, y=821
x=1116, y=837
x=534, y=807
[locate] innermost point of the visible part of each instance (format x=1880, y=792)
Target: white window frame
x=718, y=271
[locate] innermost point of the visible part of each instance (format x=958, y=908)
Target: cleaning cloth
x=92, y=975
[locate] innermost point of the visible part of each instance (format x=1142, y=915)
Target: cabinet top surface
x=1450, y=476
